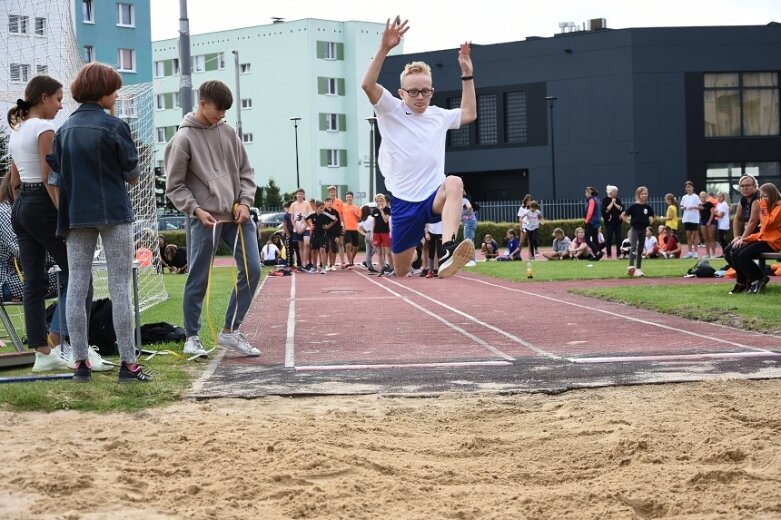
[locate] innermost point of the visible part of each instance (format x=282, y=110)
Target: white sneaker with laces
x=51, y=361
x=238, y=342
x=638, y=273
x=97, y=363
x=470, y=263
x=194, y=347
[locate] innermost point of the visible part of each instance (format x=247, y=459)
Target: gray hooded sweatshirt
x=208, y=168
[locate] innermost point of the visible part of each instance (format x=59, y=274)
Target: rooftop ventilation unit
x=597, y=24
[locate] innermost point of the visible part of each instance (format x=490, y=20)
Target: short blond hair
x=416, y=67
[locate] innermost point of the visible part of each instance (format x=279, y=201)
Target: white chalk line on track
x=406, y=365
x=290, y=344
x=673, y=357
x=447, y=323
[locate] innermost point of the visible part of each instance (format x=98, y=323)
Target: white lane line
x=674, y=357
x=453, y=326
x=482, y=323
x=290, y=344
x=405, y=365
x=628, y=318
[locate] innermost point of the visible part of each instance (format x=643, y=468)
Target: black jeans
x=743, y=261
x=34, y=219
x=613, y=234
x=592, y=238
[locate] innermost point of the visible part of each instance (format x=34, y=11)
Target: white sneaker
x=194, y=347
x=51, y=361
x=97, y=364
x=638, y=273
x=238, y=342
x=470, y=263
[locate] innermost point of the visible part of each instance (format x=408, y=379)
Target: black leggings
x=434, y=243
x=531, y=236
x=743, y=261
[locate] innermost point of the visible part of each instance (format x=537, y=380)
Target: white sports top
x=412, y=152
x=23, y=147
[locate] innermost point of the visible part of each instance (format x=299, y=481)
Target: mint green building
x=309, y=69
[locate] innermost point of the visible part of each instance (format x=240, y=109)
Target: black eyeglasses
x=426, y=92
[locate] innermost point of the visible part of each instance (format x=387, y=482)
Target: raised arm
x=391, y=37
x=468, y=99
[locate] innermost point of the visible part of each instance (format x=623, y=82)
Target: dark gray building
x=653, y=106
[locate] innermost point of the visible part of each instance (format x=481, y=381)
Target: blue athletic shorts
x=409, y=220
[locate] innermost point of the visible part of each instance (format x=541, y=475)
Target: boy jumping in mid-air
x=216, y=190
x=412, y=154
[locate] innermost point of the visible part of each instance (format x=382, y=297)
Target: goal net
x=39, y=38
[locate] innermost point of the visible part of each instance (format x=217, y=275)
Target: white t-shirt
x=412, y=152
x=532, y=219
x=691, y=216
x=368, y=224
x=434, y=227
x=723, y=208
x=269, y=252
x=650, y=244
x=23, y=148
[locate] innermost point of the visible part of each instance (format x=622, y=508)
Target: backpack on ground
x=702, y=269
x=161, y=332
x=101, y=327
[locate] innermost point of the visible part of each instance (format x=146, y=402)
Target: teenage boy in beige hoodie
x=211, y=181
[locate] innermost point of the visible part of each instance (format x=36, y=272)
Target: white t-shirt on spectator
x=23, y=148
x=269, y=252
x=412, y=152
x=690, y=216
x=723, y=208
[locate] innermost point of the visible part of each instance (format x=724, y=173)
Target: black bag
x=702, y=269
x=101, y=327
x=161, y=332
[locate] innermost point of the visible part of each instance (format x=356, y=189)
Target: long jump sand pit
x=695, y=450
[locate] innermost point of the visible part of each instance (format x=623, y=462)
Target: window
x=333, y=158
x=175, y=100
x=332, y=122
x=330, y=51
x=515, y=117
x=160, y=102
x=221, y=60
x=160, y=134
x=40, y=26
x=246, y=103
x=126, y=15
x=459, y=137
x=159, y=69
x=741, y=104
x=199, y=63
x=88, y=12
x=175, y=66
x=247, y=138
x=724, y=177
x=20, y=72
x=488, y=124
x=331, y=86
x=42, y=69
x=245, y=68
x=126, y=60
x=126, y=108
x=17, y=24
x=89, y=53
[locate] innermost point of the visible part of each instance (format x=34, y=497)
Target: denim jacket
x=94, y=155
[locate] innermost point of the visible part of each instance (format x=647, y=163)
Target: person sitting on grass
x=651, y=246
x=560, y=246
x=513, y=247
x=176, y=259
x=669, y=247
x=579, y=248
x=489, y=248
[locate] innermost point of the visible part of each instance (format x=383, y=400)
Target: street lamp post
x=372, y=162
x=295, y=129
x=550, y=100
x=238, y=95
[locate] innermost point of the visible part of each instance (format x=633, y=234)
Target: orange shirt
x=770, y=231
x=350, y=216
x=338, y=204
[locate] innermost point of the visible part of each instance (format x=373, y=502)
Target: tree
x=273, y=199
x=258, y=202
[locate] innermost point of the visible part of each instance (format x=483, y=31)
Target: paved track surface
x=349, y=333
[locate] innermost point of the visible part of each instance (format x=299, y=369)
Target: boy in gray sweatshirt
x=211, y=181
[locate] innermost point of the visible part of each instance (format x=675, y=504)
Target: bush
x=179, y=238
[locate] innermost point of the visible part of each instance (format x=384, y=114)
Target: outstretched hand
x=465, y=59
x=394, y=31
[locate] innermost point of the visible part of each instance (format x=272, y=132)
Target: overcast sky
x=442, y=24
